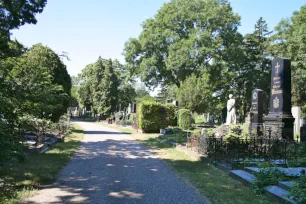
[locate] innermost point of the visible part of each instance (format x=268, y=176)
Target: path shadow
x=118, y=171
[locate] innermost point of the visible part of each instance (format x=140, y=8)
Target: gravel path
x=111, y=167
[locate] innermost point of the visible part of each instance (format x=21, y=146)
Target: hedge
x=170, y=115
x=184, y=119
x=154, y=116
x=149, y=116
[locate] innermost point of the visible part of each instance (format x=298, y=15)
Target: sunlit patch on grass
x=212, y=182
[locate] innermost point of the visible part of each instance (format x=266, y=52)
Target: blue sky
x=101, y=27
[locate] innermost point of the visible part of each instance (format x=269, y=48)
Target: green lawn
x=212, y=182
x=22, y=179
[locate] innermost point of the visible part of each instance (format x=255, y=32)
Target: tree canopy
x=104, y=88
x=183, y=38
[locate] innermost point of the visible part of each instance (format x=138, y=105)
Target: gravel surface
x=111, y=167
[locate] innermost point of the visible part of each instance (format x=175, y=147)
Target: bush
x=298, y=192
x=235, y=133
x=133, y=117
x=171, y=119
x=126, y=122
x=150, y=116
x=184, y=119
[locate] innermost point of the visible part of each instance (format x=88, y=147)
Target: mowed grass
x=22, y=179
x=212, y=182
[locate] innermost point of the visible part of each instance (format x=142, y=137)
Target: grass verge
x=212, y=182
x=21, y=180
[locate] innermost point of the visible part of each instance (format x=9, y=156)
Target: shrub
x=235, y=133
x=184, y=119
x=171, y=118
x=133, y=117
x=126, y=122
x=150, y=116
x=298, y=192
x=266, y=177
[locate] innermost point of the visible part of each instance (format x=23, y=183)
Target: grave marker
x=256, y=111
x=280, y=120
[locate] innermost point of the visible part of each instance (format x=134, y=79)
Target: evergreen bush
x=171, y=118
x=150, y=116
x=184, y=119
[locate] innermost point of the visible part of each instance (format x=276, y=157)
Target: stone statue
x=231, y=111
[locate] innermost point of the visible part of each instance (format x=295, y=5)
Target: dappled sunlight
x=113, y=168
x=126, y=194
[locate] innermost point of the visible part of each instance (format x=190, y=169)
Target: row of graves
x=270, y=140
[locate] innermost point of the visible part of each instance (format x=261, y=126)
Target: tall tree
x=195, y=93
x=41, y=68
x=109, y=92
x=255, y=70
x=289, y=41
x=184, y=37
x=13, y=14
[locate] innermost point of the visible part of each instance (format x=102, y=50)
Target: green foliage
x=195, y=93
x=170, y=115
x=254, y=70
x=47, y=81
x=14, y=14
x=184, y=119
x=133, y=117
x=150, y=116
x=266, y=177
x=298, y=192
x=103, y=87
x=182, y=38
x=289, y=41
x=141, y=92
x=145, y=98
x=297, y=152
x=235, y=133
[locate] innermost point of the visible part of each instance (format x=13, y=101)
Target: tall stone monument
x=256, y=112
x=279, y=121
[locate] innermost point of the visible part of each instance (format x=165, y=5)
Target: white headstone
x=296, y=112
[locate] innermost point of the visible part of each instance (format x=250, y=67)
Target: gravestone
x=133, y=107
x=303, y=132
x=175, y=103
x=279, y=121
x=256, y=112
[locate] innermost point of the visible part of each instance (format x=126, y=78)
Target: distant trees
x=104, y=87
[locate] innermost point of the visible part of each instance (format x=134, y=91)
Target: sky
x=93, y=28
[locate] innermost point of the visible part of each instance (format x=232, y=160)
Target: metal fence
x=238, y=151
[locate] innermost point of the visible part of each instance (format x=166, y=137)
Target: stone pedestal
x=280, y=120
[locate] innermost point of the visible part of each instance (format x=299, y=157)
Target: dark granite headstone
x=279, y=121
x=133, y=107
x=256, y=112
x=303, y=132
x=257, y=107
